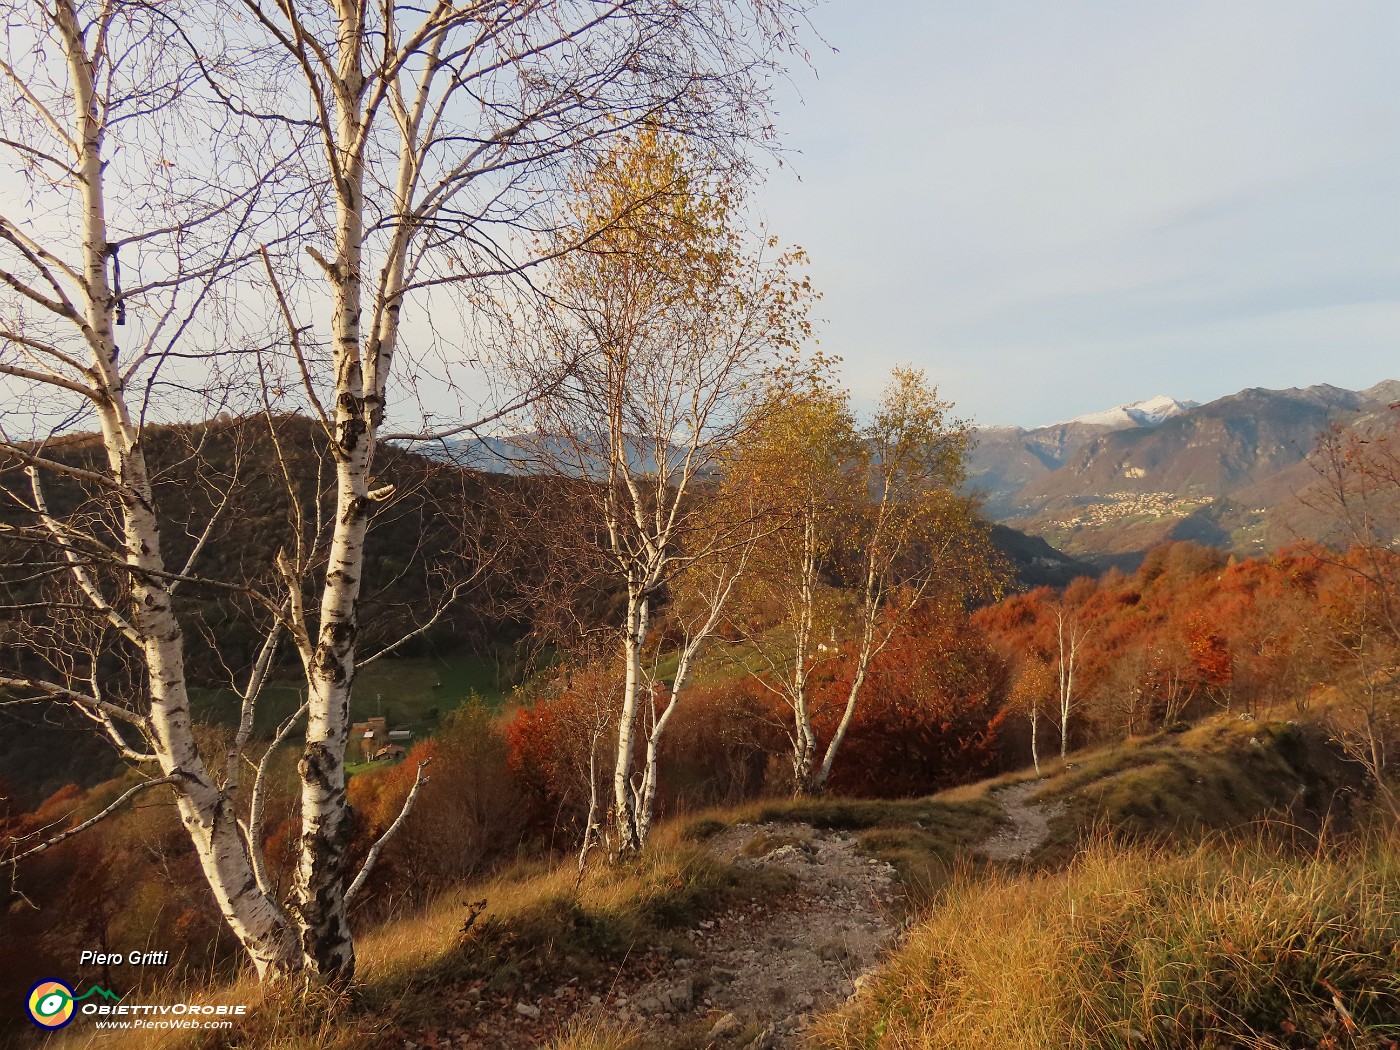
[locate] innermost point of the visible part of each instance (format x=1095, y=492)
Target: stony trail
x=1030, y=824
x=752, y=977
x=762, y=977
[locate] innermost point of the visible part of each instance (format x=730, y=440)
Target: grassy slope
x=539, y=928
x=412, y=692
x=1221, y=775
x=1220, y=946
x=1202, y=912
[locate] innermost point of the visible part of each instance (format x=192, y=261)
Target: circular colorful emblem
x=51, y=1004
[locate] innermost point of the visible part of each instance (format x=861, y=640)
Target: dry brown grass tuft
x=596, y=1035
x=1222, y=946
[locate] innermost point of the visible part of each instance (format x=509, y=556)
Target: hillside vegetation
x=1226, y=945
x=1218, y=917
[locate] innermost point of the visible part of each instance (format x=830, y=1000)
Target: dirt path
x=753, y=975
x=1029, y=827
x=757, y=978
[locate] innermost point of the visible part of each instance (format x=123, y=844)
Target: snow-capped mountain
x=1109, y=485
x=1138, y=414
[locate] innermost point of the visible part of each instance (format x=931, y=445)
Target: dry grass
x=536, y=926
x=1225, y=774
x=1241, y=946
x=595, y=1035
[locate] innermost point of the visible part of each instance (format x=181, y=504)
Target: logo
x=51, y=1003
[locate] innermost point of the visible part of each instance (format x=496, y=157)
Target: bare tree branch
x=373, y=857
x=95, y=819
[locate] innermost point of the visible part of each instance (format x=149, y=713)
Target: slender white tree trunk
x=1068, y=653
x=869, y=614
x=591, y=827
x=1035, y=746
x=646, y=805
x=646, y=797
x=327, y=823
x=208, y=816
x=804, y=739
x=848, y=715
x=633, y=642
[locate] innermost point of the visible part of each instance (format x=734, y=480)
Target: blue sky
x=1055, y=207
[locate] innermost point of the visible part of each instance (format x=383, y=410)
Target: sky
x=1058, y=207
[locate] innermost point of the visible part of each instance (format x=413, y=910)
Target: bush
x=549, y=746
x=469, y=814
x=719, y=745
x=928, y=716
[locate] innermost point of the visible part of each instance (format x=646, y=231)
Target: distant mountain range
x=1109, y=485
x=1034, y=562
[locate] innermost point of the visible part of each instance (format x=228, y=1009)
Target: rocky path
x=1030, y=824
x=756, y=980
x=751, y=977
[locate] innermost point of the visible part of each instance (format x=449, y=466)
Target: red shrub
x=720, y=744
x=549, y=746
x=928, y=716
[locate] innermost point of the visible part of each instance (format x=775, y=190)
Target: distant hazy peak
x=1385, y=390
x=1138, y=414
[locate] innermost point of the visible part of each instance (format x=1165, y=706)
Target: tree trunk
x=1035, y=747
x=208, y=816
x=821, y=775
x=624, y=804
x=804, y=754
x=327, y=822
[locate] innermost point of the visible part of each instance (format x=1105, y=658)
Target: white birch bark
x=1068, y=653
x=712, y=599
x=629, y=836
x=1035, y=724
x=319, y=895
x=206, y=809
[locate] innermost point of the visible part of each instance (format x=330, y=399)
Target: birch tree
x=914, y=534
x=405, y=152
x=798, y=456
x=1029, y=688
x=93, y=95
x=874, y=527
x=672, y=314
x=1070, y=634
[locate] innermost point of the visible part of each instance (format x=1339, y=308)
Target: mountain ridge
x=1147, y=413
x=1227, y=472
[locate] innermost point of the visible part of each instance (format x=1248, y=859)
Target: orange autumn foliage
x=930, y=715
